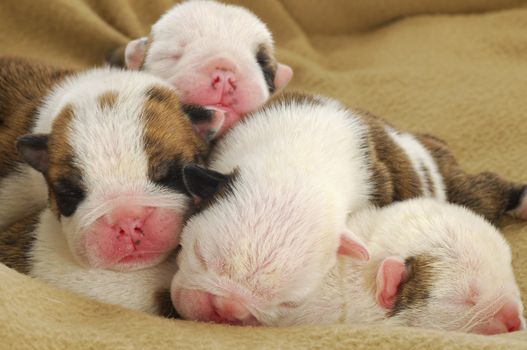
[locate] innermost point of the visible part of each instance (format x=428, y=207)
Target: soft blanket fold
x=456, y=69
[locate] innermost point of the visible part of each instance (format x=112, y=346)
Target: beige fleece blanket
x=453, y=68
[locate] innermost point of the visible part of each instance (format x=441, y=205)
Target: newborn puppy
x=433, y=265
x=110, y=146
x=215, y=55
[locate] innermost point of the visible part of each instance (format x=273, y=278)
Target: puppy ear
x=33, y=149
x=352, y=246
x=390, y=275
x=283, y=76
x=207, y=121
x=134, y=53
x=202, y=183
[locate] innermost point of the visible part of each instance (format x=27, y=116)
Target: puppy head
x=254, y=250
x=214, y=54
x=461, y=280
x=113, y=165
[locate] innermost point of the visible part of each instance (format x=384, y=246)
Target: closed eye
x=290, y=304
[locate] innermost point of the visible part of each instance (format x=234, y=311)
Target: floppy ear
x=201, y=182
x=33, y=149
x=134, y=53
x=390, y=275
x=352, y=246
x=206, y=121
x=283, y=75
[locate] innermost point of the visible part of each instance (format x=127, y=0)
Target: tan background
x=454, y=68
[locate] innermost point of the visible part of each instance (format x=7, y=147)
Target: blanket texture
x=456, y=69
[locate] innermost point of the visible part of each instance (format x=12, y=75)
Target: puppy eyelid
x=290, y=304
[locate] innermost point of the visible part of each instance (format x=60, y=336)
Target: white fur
x=421, y=159
x=468, y=251
x=53, y=262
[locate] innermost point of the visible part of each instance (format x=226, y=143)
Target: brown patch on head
x=170, y=141
x=63, y=176
x=107, y=100
x=486, y=193
x=268, y=64
x=393, y=175
x=414, y=292
x=165, y=306
x=16, y=242
x=23, y=86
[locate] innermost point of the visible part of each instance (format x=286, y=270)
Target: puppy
x=215, y=55
x=109, y=146
x=433, y=265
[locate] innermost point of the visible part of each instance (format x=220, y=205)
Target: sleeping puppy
x=108, y=146
x=215, y=55
x=433, y=265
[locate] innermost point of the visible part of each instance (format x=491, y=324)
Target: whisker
x=481, y=315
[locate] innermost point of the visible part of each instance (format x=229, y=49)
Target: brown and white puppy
x=215, y=55
x=290, y=175
x=109, y=146
x=433, y=265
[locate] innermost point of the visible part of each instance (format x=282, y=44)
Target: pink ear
x=283, y=75
x=352, y=246
x=390, y=275
x=135, y=53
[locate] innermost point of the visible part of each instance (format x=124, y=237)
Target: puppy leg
x=488, y=194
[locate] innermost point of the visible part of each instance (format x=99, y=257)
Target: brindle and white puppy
x=109, y=146
x=215, y=55
x=433, y=265
x=297, y=168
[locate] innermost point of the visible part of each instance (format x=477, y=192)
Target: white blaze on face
x=114, y=182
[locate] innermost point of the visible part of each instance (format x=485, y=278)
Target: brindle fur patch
x=62, y=167
x=23, y=86
x=486, y=193
x=414, y=292
x=170, y=141
x=16, y=243
x=393, y=174
x=268, y=64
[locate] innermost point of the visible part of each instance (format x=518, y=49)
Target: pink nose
x=509, y=317
x=127, y=223
x=224, y=81
x=229, y=309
